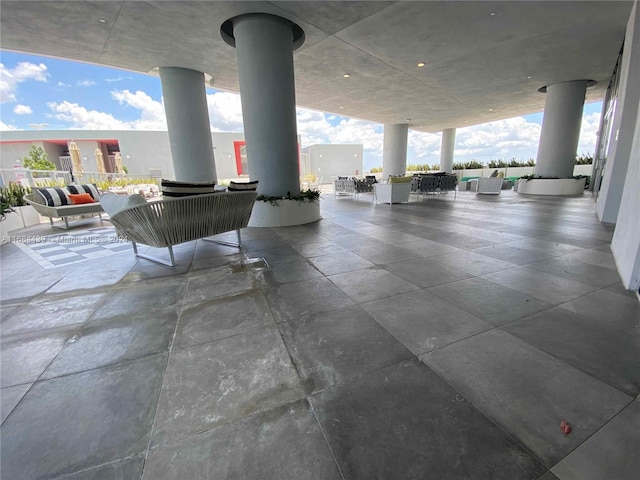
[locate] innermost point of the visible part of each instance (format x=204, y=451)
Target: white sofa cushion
x=113, y=203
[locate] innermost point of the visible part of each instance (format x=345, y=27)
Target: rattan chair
x=170, y=222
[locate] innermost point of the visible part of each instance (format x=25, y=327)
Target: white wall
x=623, y=127
x=626, y=238
x=335, y=159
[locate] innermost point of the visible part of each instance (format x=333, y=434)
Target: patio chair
x=489, y=185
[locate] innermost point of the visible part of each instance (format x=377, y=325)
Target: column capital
x=226, y=29
x=590, y=83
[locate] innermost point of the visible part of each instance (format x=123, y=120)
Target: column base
x=551, y=186
x=284, y=213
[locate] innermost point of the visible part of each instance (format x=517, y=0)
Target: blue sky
x=48, y=93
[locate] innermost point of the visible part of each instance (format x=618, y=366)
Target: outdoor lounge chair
x=489, y=185
x=170, y=222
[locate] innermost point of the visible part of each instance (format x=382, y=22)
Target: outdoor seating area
x=451, y=337
x=353, y=186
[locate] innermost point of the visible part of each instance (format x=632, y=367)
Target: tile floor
x=440, y=339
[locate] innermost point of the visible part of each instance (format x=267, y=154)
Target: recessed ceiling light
x=493, y=14
x=491, y=109
x=341, y=108
x=102, y=20
x=529, y=76
x=346, y=75
x=421, y=64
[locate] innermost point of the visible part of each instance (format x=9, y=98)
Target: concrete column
x=447, y=146
x=185, y=104
x=264, y=51
x=620, y=151
x=561, y=128
x=394, y=152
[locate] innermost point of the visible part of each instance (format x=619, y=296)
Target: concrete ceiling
x=479, y=55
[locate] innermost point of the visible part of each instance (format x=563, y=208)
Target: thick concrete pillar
x=264, y=51
x=560, y=128
x=394, y=152
x=185, y=104
x=616, y=173
x=447, y=146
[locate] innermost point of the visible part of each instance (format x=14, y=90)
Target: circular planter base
x=551, y=186
x=286, y=213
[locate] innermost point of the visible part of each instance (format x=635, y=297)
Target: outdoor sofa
x=169, y=222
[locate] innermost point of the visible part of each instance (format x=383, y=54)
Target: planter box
x=551, y=186
x=285, y=213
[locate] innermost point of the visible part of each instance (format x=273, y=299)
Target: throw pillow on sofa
x=54, y=197
x=88, y=188
x=81, y=198
x=174, y=188
x=242, y=187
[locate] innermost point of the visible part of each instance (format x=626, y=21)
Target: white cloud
x=589, y=133
x=152, y=116
x=62, y=84
x=5, y=127
x=86, y=83
x=225, y=112
x=82, y=119
x=22, y=110
x=11, y=77
x=116, y=79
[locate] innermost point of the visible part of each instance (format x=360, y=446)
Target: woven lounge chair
x=170, y=222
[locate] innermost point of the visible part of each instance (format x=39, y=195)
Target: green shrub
x=584, y=159
x=376, y=170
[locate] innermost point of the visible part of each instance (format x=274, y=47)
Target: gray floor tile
x=594, y=257
x=457, y=240
x=548, y=476
x=572, y=269
x=52, y=311
x=511, y=254
x=215, y=383
x=617, y=311
x=404, y=422
x=528, y=392
x=608, y=354
x=472, y=262
x=26, y=355
x=144, y=298
x=222, y=318
x=18, y=292
x=317, y=249
x=611, y=453
x=294, y=269
x=332, y=347
x=5, y=313
x=208, y=284
x=114, y=340
x=622, y=290
x=546, y=246
x=573, y=239
x=427, y=272
x=9, y=398
x=371, y=284
x=340, y=263
x=489, y=301
x=97, y=279
x=78, y=421
x=294, y=300
x=429, y=248
x=544, y=286
x=423, y=322
x=386, y=254
x=126, y=469
x=285, y=442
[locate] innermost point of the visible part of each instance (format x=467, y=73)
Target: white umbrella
x=76, y=159
x=119, y=166
x=100, y=161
